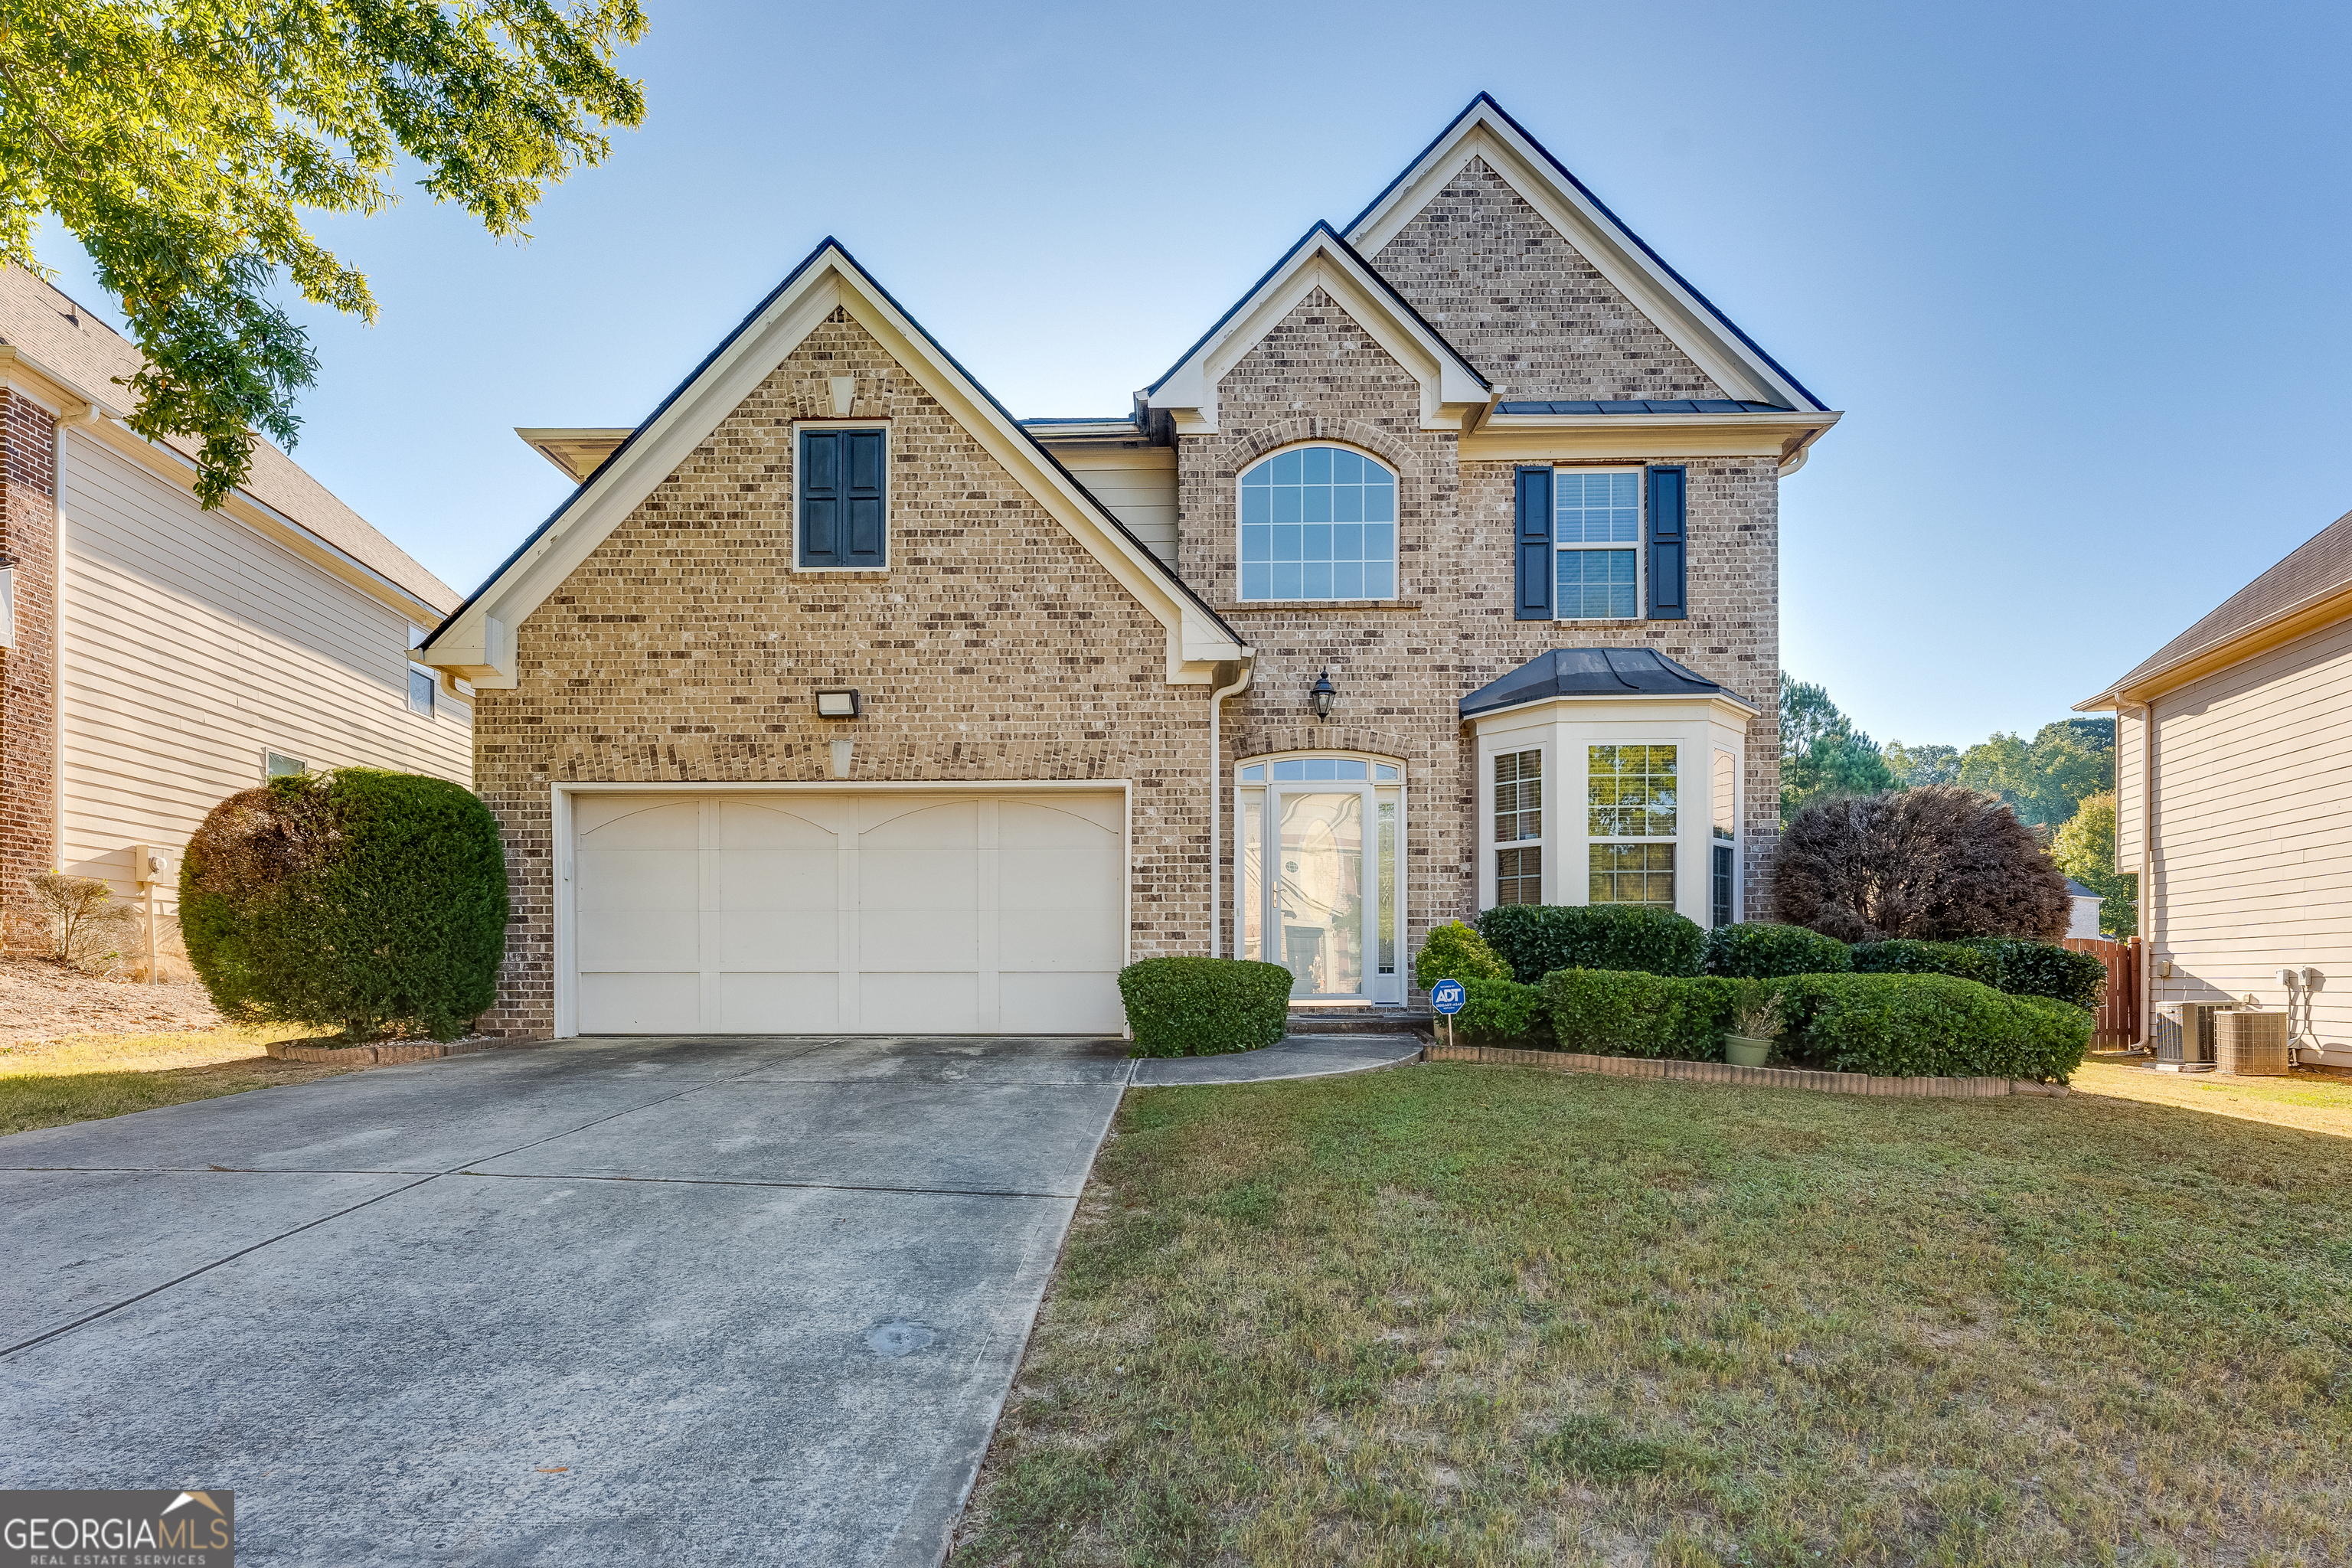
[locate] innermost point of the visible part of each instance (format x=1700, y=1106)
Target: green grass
x=96, y=1076
x=1457, y=1314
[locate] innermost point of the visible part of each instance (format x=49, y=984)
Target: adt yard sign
x=1447, y=996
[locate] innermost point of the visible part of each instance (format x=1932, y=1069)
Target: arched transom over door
x=898, y=912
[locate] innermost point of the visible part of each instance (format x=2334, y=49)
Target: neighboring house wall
x=1514, y=296
x=28, y=668
x=2253, y=870
x=687, y=649
x=191, y=646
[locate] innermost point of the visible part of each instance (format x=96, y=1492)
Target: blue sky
x=2075, y=272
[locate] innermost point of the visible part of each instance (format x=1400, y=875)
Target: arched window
x=1318, y=523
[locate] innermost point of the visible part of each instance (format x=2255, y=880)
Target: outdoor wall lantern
x=837, y=705
x=1324, y=694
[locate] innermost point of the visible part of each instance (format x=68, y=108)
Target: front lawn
x=1458, y=1314
x=81, y=1079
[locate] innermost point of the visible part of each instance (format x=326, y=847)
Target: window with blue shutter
x=1533, y=573
x=1669, y=546
x=842, y=484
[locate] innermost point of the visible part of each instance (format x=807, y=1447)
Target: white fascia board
x=1450, y=390
x=1535, y=436
x=1735, y=710
x=1690, y=325
x=468, y=647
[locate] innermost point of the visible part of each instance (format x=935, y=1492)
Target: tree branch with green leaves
x=182, y=143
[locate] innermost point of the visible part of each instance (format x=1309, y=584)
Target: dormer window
x=1318, y=523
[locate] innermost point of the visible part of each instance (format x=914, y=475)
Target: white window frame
x=1641, y=545
x=1738, y=871
x=1672, y=840
x=1396, y=542
x=1491, y=877
x=1379, y=989
x=889, y=500
x=269, y=752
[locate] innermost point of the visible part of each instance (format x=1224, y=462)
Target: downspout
x=1216, y=813
x=2147, y=873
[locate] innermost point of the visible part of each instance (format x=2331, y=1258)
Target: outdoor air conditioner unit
x=2184, y=1035
x=2250, y=1042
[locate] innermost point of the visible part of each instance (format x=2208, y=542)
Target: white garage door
x=856, y=913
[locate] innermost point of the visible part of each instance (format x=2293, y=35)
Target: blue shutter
x=1669, y=546
x=843, y=516
x=1534, y=536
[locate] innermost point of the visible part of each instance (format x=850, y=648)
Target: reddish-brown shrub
x=1937, y=864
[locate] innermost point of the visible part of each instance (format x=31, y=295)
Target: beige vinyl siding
x=2253, y=798
x=2128, y=759
x=1137, y=484
x=190, y=645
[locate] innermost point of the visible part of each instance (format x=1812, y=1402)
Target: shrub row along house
x=1442, y=571
x=156, y=656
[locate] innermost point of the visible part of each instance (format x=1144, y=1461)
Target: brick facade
x=28, y=672
x=1403, y=668
x=687, y=649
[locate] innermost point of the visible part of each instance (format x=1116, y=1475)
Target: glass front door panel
x=1319, y=892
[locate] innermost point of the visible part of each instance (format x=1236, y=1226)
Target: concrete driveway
x=695, y=1301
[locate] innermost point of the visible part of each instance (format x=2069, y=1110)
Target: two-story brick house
x=1442, y=571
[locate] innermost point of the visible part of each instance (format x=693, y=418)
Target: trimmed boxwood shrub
x=366, y=900
x=1536, y=938
x=1454, y=952
x=1904, y=956
x=1929, y=1026
x=1627, y=1013
x=2045, y=969
x=1500, y=1009
x=1765, y=951
x=1204, y=1006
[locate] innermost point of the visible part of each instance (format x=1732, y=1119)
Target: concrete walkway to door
x=688, y=1301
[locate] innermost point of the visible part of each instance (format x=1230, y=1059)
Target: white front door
x=850, y=912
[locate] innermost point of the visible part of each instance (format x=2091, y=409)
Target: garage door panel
x=919, y=878
x=640, y=1004
x=901, y=823
x=778, y=1004
x=1060, y=939
x=907, y=1003
x=644, y=879
x=630, y=941
x=674, y=824
x=779, y=878
x=778, y=939
x=747, y=824
x=915, y=939
x=1034, y=1004
x=1036, y=825
x=1059, y=879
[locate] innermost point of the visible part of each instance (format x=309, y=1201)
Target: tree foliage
x=2042, y=780
x=182, y=142
x=1916, y=768
x=1937, y=864
x=2084, y=849
x=1822, y=755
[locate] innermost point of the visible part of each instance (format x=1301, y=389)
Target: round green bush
x=1904, y=956
x=1536, y=938
x=1454, y=952
x=2045, y=969
x=372, y=901
x=1204, y=1006
x=1762, y=950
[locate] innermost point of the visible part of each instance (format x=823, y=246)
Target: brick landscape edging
x=1747, y=1078
x=388, y=1054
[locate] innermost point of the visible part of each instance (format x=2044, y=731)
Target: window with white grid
x=1596, y=532
x=1629, y=823
x=1519, y=828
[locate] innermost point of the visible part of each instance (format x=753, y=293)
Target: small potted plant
x=1756, y=1020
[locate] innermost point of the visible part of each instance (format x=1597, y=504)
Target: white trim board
x=478, y=642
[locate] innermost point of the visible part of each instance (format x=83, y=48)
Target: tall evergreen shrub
x=361, y=899
x=1536, y=938
x=1761, y=950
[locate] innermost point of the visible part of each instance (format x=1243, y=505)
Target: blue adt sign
x=1447, y=996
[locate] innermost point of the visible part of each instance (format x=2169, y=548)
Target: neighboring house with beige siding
x=156, y=658
x=2233, y=795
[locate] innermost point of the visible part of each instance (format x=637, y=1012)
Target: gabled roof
x=2313, y=584
x=477, y=642
x=42, y=327
x=1594, y=673
x=1449, y=387
x=1687, y=317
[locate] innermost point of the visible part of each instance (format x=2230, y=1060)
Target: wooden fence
x=2119, y=1017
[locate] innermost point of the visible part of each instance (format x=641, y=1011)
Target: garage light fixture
x=837, y=705
x=1324, y=694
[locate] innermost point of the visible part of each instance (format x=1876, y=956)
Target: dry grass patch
x=2307, y=1099
x=1472, y=1315
x=54, y=1082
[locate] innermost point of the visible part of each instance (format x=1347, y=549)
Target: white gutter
x=2147, y=880
x=1216, y=813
